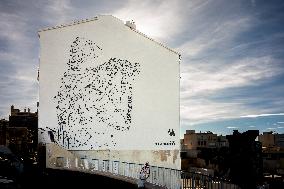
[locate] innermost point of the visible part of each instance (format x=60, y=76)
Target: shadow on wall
x=54, y=179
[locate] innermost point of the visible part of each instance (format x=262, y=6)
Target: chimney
x=12, y=110
x=131, y=24
x=29, y=110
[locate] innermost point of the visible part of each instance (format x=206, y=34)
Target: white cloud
x=270, y=128
x=58, y=12
x=200, y=81
x=280, y=122
x=253, y=3
x=209, y=72
x=194, y=111
x=263, y=115
x=160, y=20
x=215, y=35
x=17, y=58
x=251, y=126
x=280, y=127
x=12, y=23
x=14, y=30
x=204, y=79
x=232, y=127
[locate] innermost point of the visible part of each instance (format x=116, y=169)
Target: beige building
x=268, y=139
x=194, y=140
x=272, y=152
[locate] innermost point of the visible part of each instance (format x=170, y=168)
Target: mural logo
x=95, y=98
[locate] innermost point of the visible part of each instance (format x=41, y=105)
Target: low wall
x=160, y=158
x=113, y=164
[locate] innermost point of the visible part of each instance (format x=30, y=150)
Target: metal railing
x=199, y=181
x=169, y=178
x=161, y=176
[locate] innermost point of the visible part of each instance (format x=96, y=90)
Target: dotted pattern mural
x=95, y=98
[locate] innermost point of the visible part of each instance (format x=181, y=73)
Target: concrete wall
x=161, y=158
x=107, y=91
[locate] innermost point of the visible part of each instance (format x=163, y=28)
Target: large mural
x=94, y=98
x=105, y=86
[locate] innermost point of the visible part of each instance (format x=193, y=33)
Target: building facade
x=267, y=139
x=270, y=139
x=19, y=133
x=193, y=140
x=273, y=152
x=108, y=91
x=3, y=130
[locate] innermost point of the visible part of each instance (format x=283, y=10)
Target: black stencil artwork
x=171, y=143
x=171, y=132
x=95, y=98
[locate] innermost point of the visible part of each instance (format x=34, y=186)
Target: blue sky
x=232, y=68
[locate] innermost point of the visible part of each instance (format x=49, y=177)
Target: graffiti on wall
x=95, y=99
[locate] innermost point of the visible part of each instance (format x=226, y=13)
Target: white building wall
x=105, y=87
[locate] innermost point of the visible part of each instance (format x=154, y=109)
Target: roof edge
x=96, y=18
x=159, y=43
x=68, y=24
